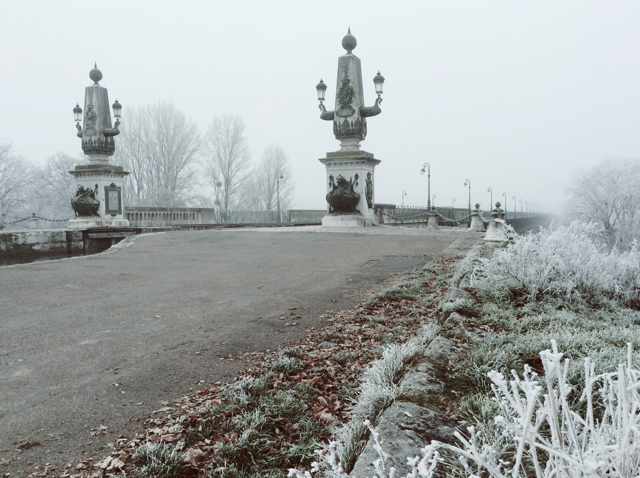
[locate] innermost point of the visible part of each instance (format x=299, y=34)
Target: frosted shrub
x=567, y=262
x=552, y=440
x=549, y=438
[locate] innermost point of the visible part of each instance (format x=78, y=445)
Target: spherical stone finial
x=477, y=206
x=95, y=74
x=349, y=42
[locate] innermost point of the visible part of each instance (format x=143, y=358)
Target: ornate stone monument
x=99, y=184
x=350, y=172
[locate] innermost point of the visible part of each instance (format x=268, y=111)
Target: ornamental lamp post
x=505, y=205
x=521, y=215
x=279, y=176
x=426, y=167
x=515, y=208
x=404, y=193
x=467, y=182
x=490, y=190
x=350, y=171
x=434, y=201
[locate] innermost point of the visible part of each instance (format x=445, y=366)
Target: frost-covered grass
x=576, y=418
x=566, y=262
x=541, y=434
x=159, y=460
x=378, y=388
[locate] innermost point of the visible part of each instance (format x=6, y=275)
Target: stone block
x=344, y=220
x=441, y=350
x=417, y=386
x=404, y=429
x=456, y=293
x=465, y=283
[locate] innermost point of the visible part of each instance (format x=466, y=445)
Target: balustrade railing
x=169, y=216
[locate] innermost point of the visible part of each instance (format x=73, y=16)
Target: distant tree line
x=171, y=164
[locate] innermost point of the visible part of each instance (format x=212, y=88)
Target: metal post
x=279, y=176
x=468, y=182
x=427, y=167
x=515, y=208
x=505, y=205
x=278, y=186
x=490, y=190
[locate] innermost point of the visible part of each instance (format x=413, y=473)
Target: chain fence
x=413, y=218
x=22, y=222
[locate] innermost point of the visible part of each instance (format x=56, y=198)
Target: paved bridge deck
x=71, y=329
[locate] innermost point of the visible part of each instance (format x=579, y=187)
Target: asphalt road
x=71, y=329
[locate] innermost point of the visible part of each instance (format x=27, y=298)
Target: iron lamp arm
x=326, y=115
x=368, y=111
x=113, y=131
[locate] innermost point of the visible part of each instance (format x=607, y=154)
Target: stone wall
x=40, y=241
x=307, y=216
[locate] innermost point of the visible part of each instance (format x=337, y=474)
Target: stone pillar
x=99, y=184
x=33, y=222
x=433, y=219
x=496, y=233
x=477, y=224
x=350, y=172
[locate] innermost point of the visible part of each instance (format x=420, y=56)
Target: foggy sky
x=513, y=95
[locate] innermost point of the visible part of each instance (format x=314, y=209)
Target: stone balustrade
x=169, y=216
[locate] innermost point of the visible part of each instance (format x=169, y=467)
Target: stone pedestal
x=495, y=232
x=107, y=183
x=359, y=168
x=433, y=220
x=477, y=224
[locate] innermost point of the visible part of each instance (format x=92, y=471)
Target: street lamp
x=467, y=182
x=427, y=167
x=279, y=176
x=490, y=190
x=404, y=193
x=321, y=88
x=433, y=201
x=117, y=110
x=453, y=203
x=521, y=215
x=515, y=208
x=77, y=115
x=378, y=81
x=505, y=205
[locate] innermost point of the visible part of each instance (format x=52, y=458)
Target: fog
x=512, y=95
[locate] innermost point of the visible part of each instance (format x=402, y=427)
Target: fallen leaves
x=331, y=373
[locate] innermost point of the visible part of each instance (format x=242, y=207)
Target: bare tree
x=272, y=172
x=609, y=194
x=54, y=187
x=16, y=177
x=227, y=158
x=160, y=148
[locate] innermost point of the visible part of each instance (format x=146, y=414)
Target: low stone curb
x=408, y=425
